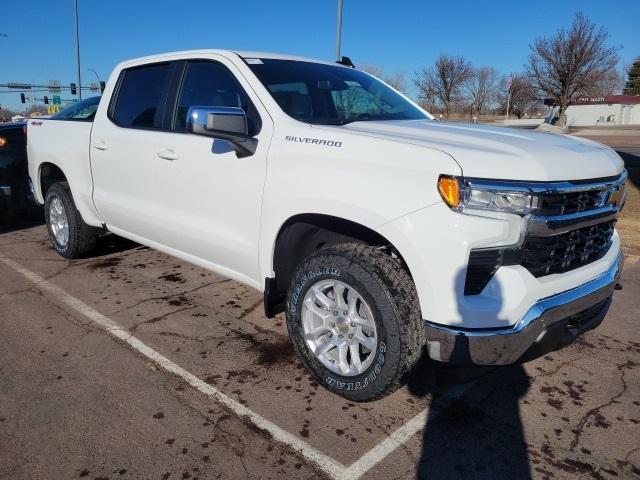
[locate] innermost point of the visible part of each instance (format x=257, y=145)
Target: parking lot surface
x=132, y=364
x=75, y=402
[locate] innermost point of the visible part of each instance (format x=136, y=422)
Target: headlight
x=3, y=142
x=461, y=195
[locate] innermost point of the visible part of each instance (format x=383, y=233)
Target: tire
x=80, y=237
x=385, y=291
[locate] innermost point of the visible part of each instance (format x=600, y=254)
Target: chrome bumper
x=548, y=325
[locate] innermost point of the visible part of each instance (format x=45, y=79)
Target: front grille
x=566, y=251
x=585, y=211
x=571, y=202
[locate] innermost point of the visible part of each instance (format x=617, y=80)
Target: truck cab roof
x=244, y=54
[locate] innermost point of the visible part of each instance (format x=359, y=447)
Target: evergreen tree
x=633, y=84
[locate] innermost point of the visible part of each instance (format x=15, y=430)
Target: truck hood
x=503, y=153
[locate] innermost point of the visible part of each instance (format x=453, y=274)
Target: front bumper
x=549, y=324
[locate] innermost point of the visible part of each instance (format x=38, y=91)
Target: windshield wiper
x=335, y=122
x=345, y=121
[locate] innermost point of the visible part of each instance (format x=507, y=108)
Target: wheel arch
x=48, y=174
x=304, y=233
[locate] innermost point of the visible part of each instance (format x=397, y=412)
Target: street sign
x=54, y=86
x=20, y=86
x=56, y=100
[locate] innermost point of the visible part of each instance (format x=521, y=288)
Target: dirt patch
x=172, y=277
x=105, y=263
x=179, y=301
x=241, y=376
x=270, y=351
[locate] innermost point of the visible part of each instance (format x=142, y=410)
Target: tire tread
x=82, y=237
x=401, y=293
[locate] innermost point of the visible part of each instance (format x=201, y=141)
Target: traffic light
x=74, y=90
x=102, y=84
x=46, y=100
x=23, y=99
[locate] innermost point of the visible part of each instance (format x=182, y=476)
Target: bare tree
x=565, y=65
x=442, y=83
x=6, y=114
x=610, y=83
x=482, y=87
x=518, y=93
x=396, y=79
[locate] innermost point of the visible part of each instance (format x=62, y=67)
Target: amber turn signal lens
x=3, y=142
x=449, y=189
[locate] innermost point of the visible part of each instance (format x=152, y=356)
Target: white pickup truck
x=384, y=235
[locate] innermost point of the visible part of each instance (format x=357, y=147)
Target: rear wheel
x=69, y=235
x=353, y=316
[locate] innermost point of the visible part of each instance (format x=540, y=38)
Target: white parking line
x=328, y=465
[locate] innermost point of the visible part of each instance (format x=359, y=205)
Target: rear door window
x=141, y=96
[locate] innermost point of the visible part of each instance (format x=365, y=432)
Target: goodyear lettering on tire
x=306, y=278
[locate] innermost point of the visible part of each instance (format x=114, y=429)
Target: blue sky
x=399, y=35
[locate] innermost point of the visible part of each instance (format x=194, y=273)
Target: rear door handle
x=101, y=145
x=168, y=154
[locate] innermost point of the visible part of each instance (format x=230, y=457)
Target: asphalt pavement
x=131, y=364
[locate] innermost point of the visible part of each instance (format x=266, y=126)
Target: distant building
x=612, y=110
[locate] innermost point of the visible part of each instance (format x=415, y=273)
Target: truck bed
x=65, y=144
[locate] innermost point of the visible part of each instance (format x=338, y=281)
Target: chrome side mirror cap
x=226, y=123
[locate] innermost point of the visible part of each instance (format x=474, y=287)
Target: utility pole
x=509, y=96
x=339, y=31
x=78, y=50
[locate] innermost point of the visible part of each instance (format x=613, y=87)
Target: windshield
x=330, y=94
x=84, y=110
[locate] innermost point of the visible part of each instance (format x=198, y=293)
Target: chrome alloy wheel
x=59, y=222
x=339, y=328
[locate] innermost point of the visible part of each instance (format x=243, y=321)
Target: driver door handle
x=168, y=154
x=100, y=145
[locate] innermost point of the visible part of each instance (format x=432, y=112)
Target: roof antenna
x=346, y=61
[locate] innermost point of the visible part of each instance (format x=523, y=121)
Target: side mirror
x=226, y=123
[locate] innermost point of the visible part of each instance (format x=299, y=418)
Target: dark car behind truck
x=16, y=201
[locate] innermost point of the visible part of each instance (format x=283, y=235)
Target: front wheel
x=353, y=315
x=69, y=235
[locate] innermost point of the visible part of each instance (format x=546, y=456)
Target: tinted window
x=210, y=84
x=140, y=96
x=331, y=94
x=84, y=110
